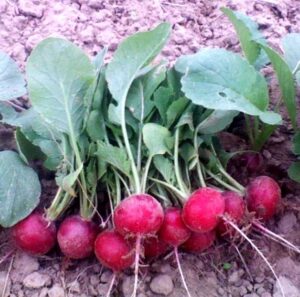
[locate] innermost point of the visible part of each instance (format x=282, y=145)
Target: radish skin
x=35, y=234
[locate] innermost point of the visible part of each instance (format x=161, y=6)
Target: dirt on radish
x=218, y=272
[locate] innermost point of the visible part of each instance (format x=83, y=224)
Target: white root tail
x=181, y=272
x=276, y=237
x=111, y=285
x=234, y=226
x=136, y=264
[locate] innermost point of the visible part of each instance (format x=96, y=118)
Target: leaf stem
x=249, y=129
x=198, y=165
x=236, y=184
x=145, y=175
x=180, y=182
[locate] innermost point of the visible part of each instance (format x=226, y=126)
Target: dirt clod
x=162, y=284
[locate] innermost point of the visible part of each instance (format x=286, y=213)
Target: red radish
x=234, y=211
x=76, y=237
x=35, y=234
x=202, y=211
x=138, y=215
x=113, y=251
x=198, y=242
x=173, y=231
x=153, y=247
x=263, y=197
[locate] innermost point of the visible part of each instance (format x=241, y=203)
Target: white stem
x=136, y=264
x=111, y=285
x=181, y=272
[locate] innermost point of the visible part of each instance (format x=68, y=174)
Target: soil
x=93, y=24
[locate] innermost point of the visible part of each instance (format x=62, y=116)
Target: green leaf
x=217, y=121
x=98, y=61
x=296, y=144
x=67, y=182
x=247, y=31
x=176, y=109
x=96, y=125
x=286, y=82
x=12, y=83
x=28, y=151
x=219, y=79
x=162, y=99
x=165, y=167
x=156, y=139
x=20, y=189
x=59, y=75
x=115, y=156
x=294, y=172
x=291, y=46
x=133, y=54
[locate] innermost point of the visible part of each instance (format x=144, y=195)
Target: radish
x=113, y=251
x=153, y=247
x=203, y=209
x=138, y=215
x=174, y=232
x=234, y=210
x=198, y=242
x=263, y=197
x=35, y=234
x=76, y=237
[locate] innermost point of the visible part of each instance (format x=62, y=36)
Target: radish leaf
x=59, y=75
x=12, y=83
x=294, y=171
x=20, y=189
x=222, y=80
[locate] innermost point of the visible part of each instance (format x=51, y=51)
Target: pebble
x=56, y=291
x=162, y=284
x=266, y=294
x=28, y=8
x=165, y=268
x=234, y=277
x=288, y=287
x=287, y=222
x=127, y=286
x=94, y=280
x=44, y=292
x=36, y=280
x=243, y=291
x=25, y=264
x=74, y=287
x=259, y=279
x=106, y=276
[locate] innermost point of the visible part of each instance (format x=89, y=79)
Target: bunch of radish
x=139, y=140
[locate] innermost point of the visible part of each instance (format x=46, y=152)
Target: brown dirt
x=93, y=24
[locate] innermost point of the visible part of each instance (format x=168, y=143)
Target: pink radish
x=198, y=242
x=203, y=209
x=234, y=211
x=76, y=237
x=113, y=251
x=153, y=247
x=138, y=215
x=263, y=197
x=35, y=234
x=173, y=231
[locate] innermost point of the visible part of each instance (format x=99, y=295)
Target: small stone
x=243, y=291
x=234, y=277
x=288, y=287
x=260, y=291
x=259, y=279
x=251, y=295
x=74, y=287
x=56, y=291
x=94, y=280
x=28, y=8
x=93, y=291
x=96, y=4
x=44, y=292
x=165, y=268
x=25, y=264
x=127, y=286
x=266, y=294
x=162, y=284
x=250, y=287
x=3, y=276
x=221, y=291
x=36, y=280
x=287, y=222
x=106, y=276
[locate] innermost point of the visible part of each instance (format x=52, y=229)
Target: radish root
x=281, y=240
x=136, y=264
x=112, y=282
x=181, y=272
x=234, y=226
